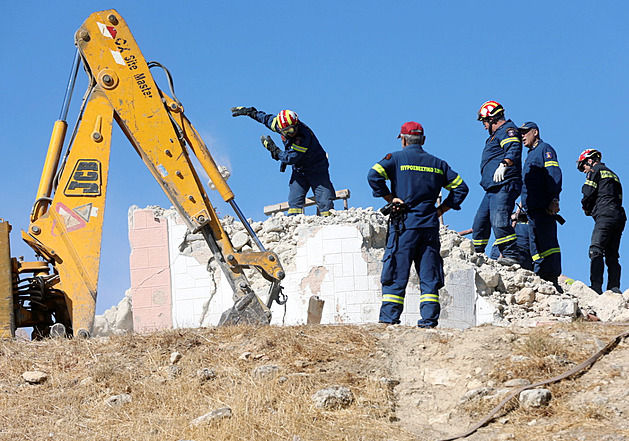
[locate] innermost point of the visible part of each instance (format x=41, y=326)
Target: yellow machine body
x=67, y=217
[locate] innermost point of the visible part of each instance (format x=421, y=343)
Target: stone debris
x=508, y=295
x=215, y=415
x=34, y=377
x=535, y=398
x=333, y=398
x=266, y=372
x=116, y=320
x=118, y=400
x=175, y=357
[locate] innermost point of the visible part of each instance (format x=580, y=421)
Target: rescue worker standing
x=301, y=150
x=413, y=237
x=501, y=178
x=602, y=199
x=541, y=187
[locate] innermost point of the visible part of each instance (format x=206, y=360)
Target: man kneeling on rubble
x=413, y=235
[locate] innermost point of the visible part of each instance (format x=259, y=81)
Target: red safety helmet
x=587, y=154
x=287, y=121
x=490, y=110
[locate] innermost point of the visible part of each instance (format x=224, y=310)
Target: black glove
x=240, y=110
x=268, y=144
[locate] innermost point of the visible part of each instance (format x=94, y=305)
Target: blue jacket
x=302, y=151
x=417, y=178
x=505, y=143
x=542, y=177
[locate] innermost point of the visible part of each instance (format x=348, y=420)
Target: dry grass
x=84, y=373
x=550, y=356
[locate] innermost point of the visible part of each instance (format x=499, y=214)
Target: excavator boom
x=67, y=218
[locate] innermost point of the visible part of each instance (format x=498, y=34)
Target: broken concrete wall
x=336, y=259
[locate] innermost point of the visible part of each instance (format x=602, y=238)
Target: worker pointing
x=303, y=151
x=501, y=178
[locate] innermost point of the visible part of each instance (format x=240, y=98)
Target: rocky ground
x=368, y=382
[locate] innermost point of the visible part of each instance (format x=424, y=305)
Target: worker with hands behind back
x=501, y=178
x=301, y=150
x=413, y=237
x=541, y=187
x=602, y=199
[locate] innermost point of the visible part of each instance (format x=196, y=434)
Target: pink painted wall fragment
x=150, y=272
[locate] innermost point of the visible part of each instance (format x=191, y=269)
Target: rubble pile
x=518, y=296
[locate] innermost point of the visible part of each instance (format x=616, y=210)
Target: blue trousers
x=544, y=244
x=494, y=213
x=321, y=186
x=420, y=247
x=523, y=244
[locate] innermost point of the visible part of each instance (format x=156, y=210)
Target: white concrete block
x=338, y=232
x=348, y=265
x=343, y=285
x=361, y=283
x=360, y=265
x=332, y=258
x=331, y=246
x=351, y=245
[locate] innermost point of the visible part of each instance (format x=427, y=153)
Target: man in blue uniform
x=602, y=199
x=301, y=150
x=540, y=200
x=501, y=178
x=413, y=237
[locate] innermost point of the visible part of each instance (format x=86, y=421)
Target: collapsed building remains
x=336, y=261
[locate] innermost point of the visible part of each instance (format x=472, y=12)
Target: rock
x=205, y=374
x=273, y=225
x=535, y=398
x=564, y=308
x=266, y=372
x=476, y=394
x=34, y=377
x=173, y=371
x=215, y=415
x=333, y=397
x=526, y=296
x=175, y=357
x=608, y=305
x=118, y=400
x=517, y=382
x=240, y=239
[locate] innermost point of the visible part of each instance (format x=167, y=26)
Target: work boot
x=615, y=290
x=555, y=281
x=596, y=289
x=507, y=261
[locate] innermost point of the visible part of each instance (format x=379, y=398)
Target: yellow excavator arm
x=58, y=293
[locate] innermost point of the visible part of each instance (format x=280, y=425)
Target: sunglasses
x=290, y=130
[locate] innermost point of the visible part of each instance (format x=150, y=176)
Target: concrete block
x=360, y=265
x=332, y=258
x=351, y=245
x=343, y=285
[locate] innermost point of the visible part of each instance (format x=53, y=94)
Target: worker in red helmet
x=602, y=199
x=303, y=151
x=501, y=178
x=416, y=178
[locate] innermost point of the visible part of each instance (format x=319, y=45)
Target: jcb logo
x=85, y=179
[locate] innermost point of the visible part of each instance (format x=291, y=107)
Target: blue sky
x=354, y=72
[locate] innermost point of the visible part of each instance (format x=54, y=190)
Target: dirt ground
x=407, y=384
